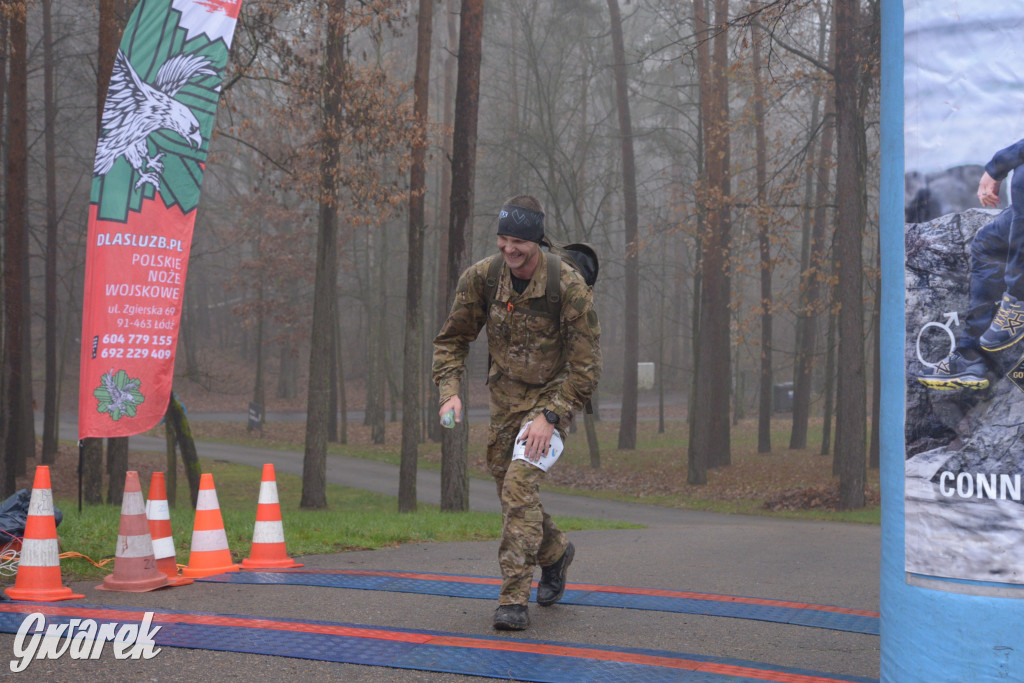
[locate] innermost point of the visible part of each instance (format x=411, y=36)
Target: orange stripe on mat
x=423, y=639
x=595, y=588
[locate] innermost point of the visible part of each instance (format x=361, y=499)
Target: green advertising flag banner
x=155, y=135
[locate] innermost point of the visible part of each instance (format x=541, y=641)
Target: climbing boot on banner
x=551, y=586
x=957, y=372
x=511, y=617
x=1007, y=327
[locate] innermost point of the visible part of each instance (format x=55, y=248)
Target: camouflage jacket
x=563, y=360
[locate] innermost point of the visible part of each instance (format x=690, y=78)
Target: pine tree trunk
x=178, y=422
x=314, y=463
x=631, y=321
x=258, y=391
x=342, y=396
x=332, y=382
x=812, y=263
x=50, y=417
x=378, y=379
x=171, y=462
x=454, y=447
x=696, y=463
x=739, y=408
x=92, y=470
x=414, y=284
x=117, y=468
x=434, y=429
x=662, y=332
x=811, y=305
x=288, y=368
x=592, y=446
x=19, y=441
x=830, y=389
x=764, y=407
x=710, y=434
x=189, y=331
x=875, y=449
x=851, y=192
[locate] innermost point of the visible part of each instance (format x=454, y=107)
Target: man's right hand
x=988, y=191
x=454, y=403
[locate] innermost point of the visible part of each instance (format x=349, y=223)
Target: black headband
x=524, y=224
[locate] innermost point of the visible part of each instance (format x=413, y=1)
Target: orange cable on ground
x=71, y=555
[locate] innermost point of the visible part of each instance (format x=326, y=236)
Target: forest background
x=721, y=156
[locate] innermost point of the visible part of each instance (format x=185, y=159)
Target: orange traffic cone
x=159, y=516
x=210, y=554
x=39, y=566
x=135, y=568
x=268, y=537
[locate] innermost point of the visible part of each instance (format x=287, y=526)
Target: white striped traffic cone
x=268, y=550
x=159, y=515
x=210, y=553
x=39, y=564
x=134, y=565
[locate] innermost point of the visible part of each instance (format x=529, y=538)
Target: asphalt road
x=812, y=562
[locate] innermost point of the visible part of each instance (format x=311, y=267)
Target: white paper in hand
x=546, y=460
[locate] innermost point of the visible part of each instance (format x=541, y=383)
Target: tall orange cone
x=39, y=566
x=159, y=515
x=268, y=536
x=134, y=565
x=210, y=554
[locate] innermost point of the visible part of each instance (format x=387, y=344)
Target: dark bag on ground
x=14, y=515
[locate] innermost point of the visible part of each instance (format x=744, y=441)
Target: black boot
x=511, y=617
x=552, y=578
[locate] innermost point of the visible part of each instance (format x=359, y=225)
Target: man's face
x=520, y=255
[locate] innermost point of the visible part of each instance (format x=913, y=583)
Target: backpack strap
x=553, y=290
x=551, y=304
x=491, y=281
x=490, y=292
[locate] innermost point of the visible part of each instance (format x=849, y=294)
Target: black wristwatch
x=551, y=416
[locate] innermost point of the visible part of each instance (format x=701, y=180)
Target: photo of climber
x=964, y=285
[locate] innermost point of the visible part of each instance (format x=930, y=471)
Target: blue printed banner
x=964, y=238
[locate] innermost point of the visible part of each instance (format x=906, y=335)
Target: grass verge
x=789, y=483
x=354, y=520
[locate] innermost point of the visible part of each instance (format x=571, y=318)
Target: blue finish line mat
x=707, y=604
x=526, y=660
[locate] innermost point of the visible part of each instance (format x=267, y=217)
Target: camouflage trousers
x=529, y=536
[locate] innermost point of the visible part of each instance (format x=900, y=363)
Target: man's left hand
x=538, y=438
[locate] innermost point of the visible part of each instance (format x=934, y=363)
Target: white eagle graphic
x=135, y=109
